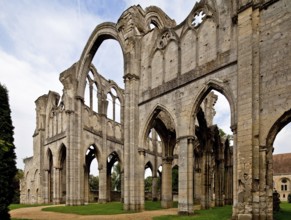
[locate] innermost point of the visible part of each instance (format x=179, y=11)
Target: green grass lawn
x=284, y=213
x=111, y=208
x=216, y=213
x=18, y=206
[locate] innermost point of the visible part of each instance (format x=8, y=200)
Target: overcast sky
x=40, y=39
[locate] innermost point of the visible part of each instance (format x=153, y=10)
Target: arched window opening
x=110, y=109
x=282, y=162
x=213, y=168
x=281, y=144
x=109, y=61
x=114, y=107
x=114, y=177
x=117, y=110
x=91, y=175
x=87, y=93
x=148, y=181
x=91, y=92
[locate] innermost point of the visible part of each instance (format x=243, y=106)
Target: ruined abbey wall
x=238, y=48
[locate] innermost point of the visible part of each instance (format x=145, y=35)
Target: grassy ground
x=18, y=206
x=221, y=213
x=284, y=213
x=111, y=208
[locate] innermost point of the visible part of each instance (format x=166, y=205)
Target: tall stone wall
x=238, y=48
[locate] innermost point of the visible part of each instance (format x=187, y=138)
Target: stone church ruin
x=163, y=116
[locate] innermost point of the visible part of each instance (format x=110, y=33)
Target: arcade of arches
x=164, y=115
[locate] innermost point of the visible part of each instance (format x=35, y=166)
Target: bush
x=276, y=201
x=289, y=198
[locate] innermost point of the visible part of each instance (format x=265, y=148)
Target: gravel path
x=36, y=213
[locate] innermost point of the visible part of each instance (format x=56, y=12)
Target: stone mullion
x=91, y=94
x=113, y=105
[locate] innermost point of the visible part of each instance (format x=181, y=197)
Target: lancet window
x=91, y=92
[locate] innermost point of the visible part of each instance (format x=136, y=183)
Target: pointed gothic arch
x=204, y=91
x=102, y=32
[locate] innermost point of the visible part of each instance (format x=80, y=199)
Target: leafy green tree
x=116, y=177
x=93, y=182
x=16, y=186
x=175, y=179
x=148, y=184
x=7, y=155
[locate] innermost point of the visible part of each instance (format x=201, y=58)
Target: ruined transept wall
x=238, y=48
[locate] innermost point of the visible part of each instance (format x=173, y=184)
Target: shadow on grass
x=284, y=213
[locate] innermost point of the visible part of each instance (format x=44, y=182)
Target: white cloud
x=282, y=141
x=40, y=39
x=222, y=116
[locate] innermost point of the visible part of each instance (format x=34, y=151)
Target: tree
x=175, y=179
x=7, y=155
x=148, y=184
x=94, y=182
x=116, y=177
x=16, y=186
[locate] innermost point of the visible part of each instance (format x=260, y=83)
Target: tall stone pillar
x=108, y=179
x=155, y=188
x=248, y=111
x=167, y=197
x=186, y=175
x=132, y=169
x=46, y=188
x=219, y=183
x=141, y=153
x=205, y=198
x=86, y=186
x=57, y=186
x=102, y=184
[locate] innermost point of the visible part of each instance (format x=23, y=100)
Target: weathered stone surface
x=240, y=48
